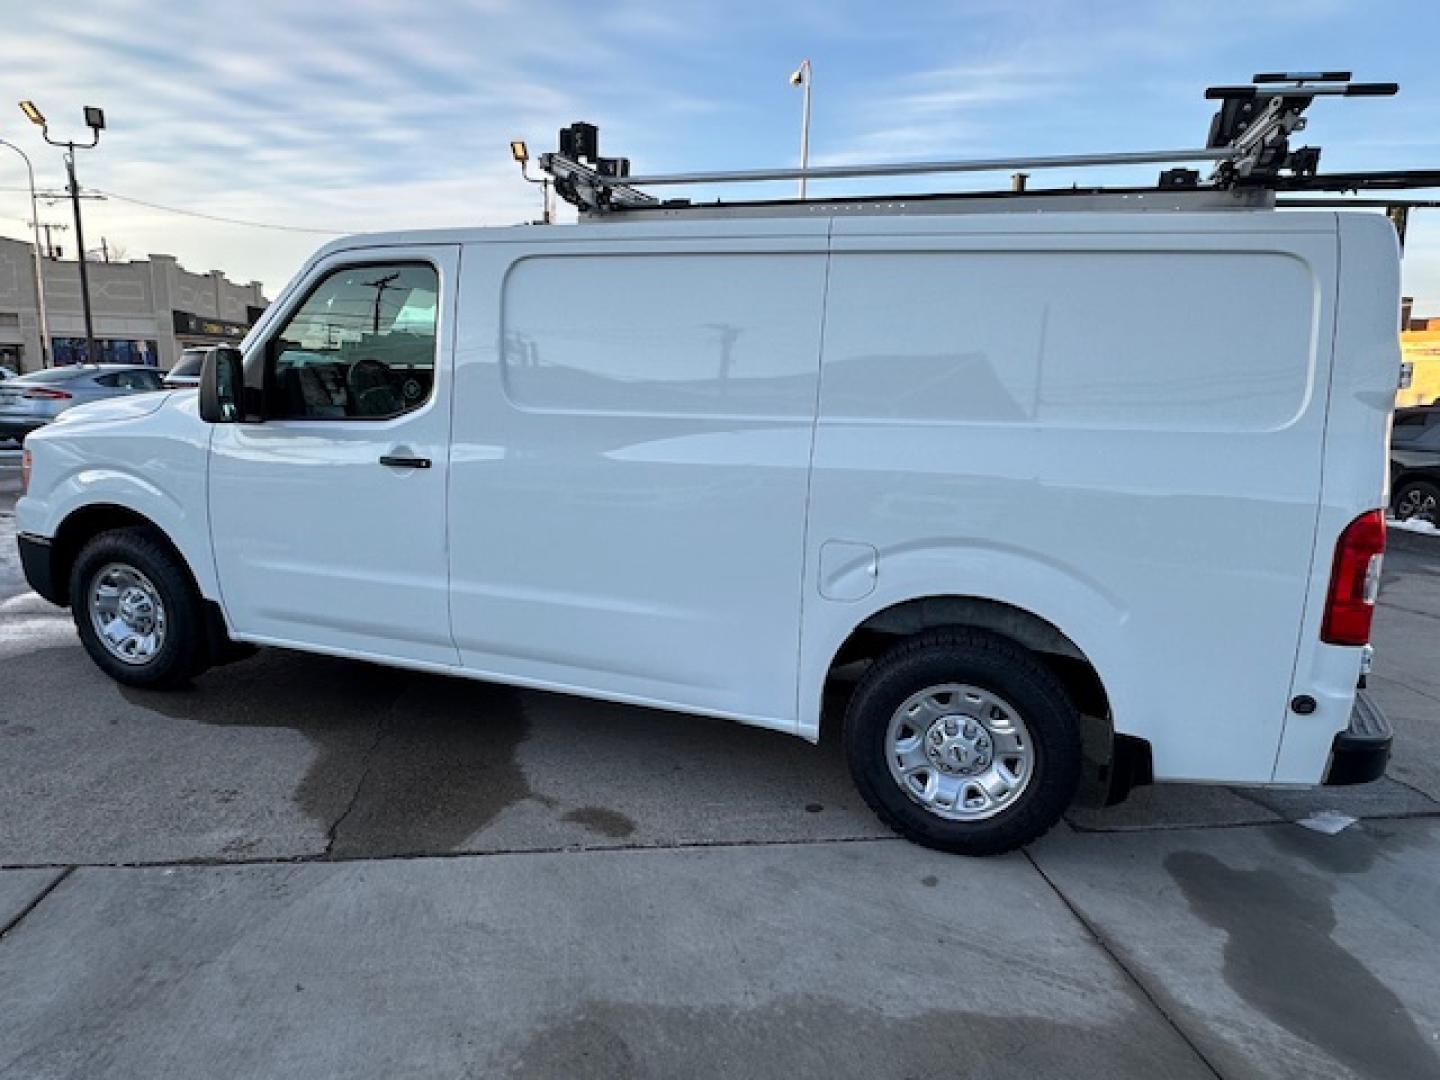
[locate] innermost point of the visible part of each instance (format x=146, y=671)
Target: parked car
x=7, y=373
x=31, y=401
x=1415, y=464
x=186, y=371
x=1071, y=491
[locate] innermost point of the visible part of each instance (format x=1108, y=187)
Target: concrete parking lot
x=308, y=867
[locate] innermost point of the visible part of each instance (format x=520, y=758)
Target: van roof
x=819, y=225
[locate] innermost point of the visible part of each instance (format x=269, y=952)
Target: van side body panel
x=633, y=419
x=1112, y=421
x=1362, y=402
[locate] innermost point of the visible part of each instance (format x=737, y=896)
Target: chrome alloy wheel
x=961, y=752
x=127, y=613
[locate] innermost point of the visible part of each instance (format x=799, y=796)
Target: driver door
x=328, y=519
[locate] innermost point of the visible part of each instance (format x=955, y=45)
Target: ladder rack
x=1248, y=145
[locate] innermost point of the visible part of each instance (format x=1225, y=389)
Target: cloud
x=359, y=116
x=378, y=114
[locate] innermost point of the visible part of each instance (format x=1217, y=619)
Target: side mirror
x=222, y=386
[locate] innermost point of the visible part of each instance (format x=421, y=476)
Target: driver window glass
x=361, y=346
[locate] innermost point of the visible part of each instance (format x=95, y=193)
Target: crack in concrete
x=1407, y=686
x=207, y=861
x=367, y=762
x=215, y=862
x=1278, y=819
x=1119, y=962
x=36, y=902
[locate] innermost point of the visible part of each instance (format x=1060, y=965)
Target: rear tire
x=961, y=740
x=1417, y=500
x=137, y=611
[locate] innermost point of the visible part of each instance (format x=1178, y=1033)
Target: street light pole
x=95, y=121
x=39, y=267
x=803, y=76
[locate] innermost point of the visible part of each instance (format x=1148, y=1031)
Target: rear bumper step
x=1360, y=753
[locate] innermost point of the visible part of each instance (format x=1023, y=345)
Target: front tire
x=136, y=609
x=961, y=740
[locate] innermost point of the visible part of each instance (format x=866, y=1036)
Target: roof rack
x=1248, y=144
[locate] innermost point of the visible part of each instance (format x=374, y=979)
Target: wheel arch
x=86, y=522
x=1115, y=761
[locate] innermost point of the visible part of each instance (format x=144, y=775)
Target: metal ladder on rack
x=1248, y=147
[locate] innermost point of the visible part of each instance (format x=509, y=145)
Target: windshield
x=53, y=375
x=191, y=361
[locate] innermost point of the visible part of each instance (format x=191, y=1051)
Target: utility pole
x=91, y=356
x=95, y=121
x=380, y=285
x=49, y=226
x=35, y=250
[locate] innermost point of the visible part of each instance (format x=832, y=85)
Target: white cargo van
x=1067, y=492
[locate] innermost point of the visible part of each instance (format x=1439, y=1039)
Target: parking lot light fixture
x=802, y=77
x=521, y=153
x=95, y=121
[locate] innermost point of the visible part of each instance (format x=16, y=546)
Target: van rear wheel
x=961, y=740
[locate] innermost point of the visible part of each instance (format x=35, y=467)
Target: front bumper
x=37, y=560
x=17, y=427
x=1360, y=753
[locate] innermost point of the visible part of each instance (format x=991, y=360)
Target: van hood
x=118, y=408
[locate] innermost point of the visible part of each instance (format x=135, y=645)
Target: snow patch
x=1413, y=526
x=1328, y=822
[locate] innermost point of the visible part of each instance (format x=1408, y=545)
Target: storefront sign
x=189, y=324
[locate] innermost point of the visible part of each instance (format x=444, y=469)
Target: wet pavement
x=307, y=866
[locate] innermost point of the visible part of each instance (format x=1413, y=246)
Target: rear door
x=328, y=519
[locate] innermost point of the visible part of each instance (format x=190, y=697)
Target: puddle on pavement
x=434, y=757
x=1354, y=850
x=1281, y=958
x=609, y=823
x=406, y=763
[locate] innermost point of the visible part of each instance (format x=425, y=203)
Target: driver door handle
x=396, y=462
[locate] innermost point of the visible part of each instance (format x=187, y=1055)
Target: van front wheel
x=136, y=610
x=961, y=740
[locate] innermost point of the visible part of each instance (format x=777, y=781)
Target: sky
x=360, y=115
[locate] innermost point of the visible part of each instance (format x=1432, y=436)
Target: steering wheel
x=368, y=381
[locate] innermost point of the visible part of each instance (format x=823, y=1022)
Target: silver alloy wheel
x=960, y=751
x=127, y=614
x=1418, y=503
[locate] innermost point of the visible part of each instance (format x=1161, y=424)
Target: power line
x=204, y=216
x=219, y=218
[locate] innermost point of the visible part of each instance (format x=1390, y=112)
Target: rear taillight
x=1355, y=581
x=24, y=470
x=40, y=393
